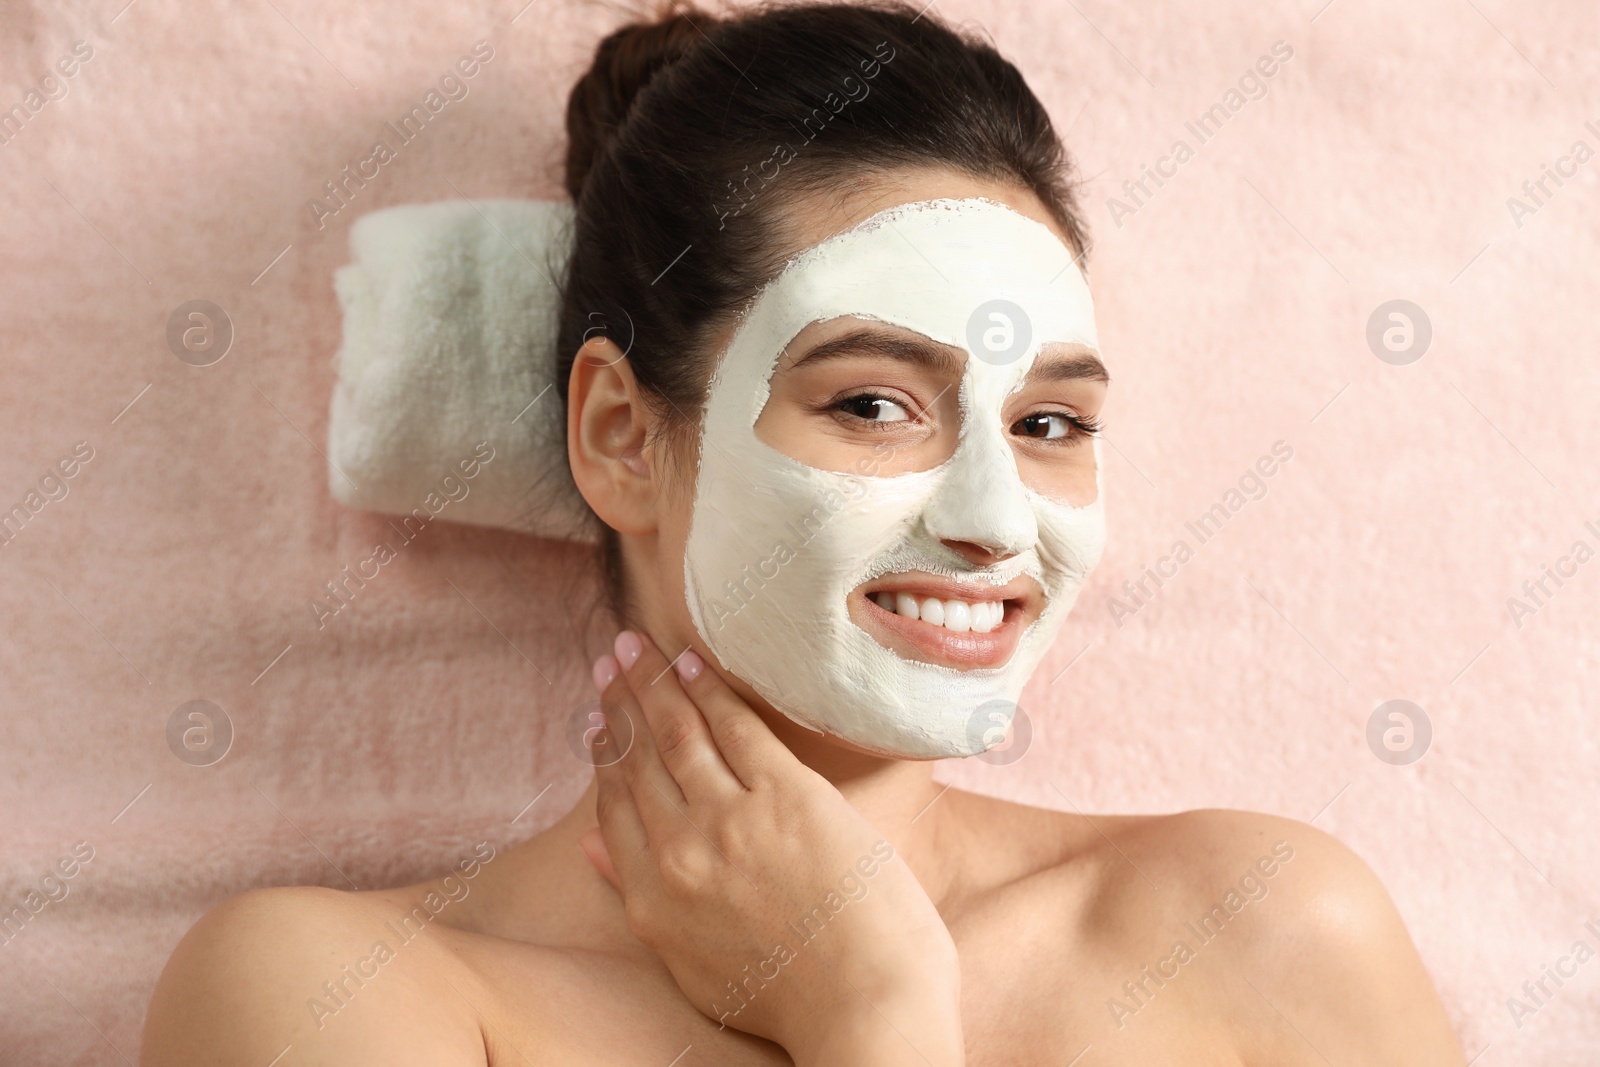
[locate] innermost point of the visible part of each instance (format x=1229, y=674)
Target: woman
x=832, y=387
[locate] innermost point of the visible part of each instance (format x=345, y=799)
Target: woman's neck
x=898, y=797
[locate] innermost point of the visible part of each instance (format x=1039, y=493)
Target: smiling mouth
x=957, y=616
x=936, y=620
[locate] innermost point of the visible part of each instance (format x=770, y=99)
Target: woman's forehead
x=971, y=274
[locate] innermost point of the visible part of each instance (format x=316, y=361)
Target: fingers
x=622, y=829
x=593, y=845
x=654, y=792
x=747, y=746
x=677, y=731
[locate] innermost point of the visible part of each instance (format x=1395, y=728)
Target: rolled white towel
x=450, y=315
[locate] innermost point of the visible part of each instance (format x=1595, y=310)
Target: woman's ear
x=607, y=426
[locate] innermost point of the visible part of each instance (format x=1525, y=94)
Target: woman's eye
x=1044, y=427
x=1047, y=426
x=875, y=409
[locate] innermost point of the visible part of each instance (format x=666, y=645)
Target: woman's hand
x=778, y=908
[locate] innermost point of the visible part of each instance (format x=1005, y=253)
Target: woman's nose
x=981, y=503
x=976, y=554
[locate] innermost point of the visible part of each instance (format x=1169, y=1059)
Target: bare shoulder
x=1323, y=891
x=318, y=971
x=1300, y=935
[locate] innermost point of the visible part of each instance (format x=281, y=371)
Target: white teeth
x=957, y=616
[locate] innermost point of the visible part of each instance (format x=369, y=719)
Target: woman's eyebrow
x=1077, y=362
x=870, y=341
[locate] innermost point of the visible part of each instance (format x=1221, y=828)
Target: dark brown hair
x=690, y=135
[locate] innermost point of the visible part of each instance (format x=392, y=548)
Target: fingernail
x=690, y=665
x=605, y=672
x=628, y=648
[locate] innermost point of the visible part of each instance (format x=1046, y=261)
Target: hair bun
x=623, y=64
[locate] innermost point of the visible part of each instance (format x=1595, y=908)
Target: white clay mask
x=776, y=547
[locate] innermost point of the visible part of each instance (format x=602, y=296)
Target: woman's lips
x=930, y=642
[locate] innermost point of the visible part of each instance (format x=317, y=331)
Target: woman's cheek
x=1065, y=474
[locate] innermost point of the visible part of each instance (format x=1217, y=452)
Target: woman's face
x=872, y=550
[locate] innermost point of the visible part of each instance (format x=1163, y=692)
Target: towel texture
x=450, y=313
x=377, y=737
